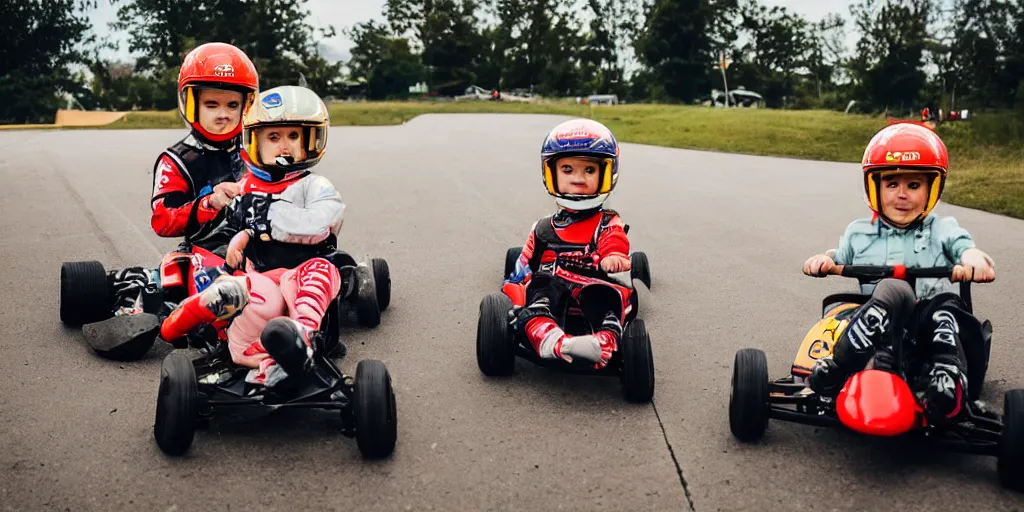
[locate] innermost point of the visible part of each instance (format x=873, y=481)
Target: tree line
x=909, y=53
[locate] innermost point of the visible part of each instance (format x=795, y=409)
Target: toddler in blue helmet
x=579, y=165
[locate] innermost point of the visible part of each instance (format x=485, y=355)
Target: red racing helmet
x=215, y=66
x=904, y=148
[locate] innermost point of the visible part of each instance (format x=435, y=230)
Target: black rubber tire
x=495, y=349
x=375, y=412
x=367, y=307
x=637, y=363
x=748, y=401
x=640, y=268
x=511, y=256
x=84, y=294
x=1010, y=464
x=382, y=277
x=177, y=405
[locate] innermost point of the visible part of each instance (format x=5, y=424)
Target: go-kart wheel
x=375, y=412
x=177, y=405
x=367, y=306
x=748, y=402
x=640, y=268
x=84, y=294
x=495, y=350
x=1011, y=443
x=382, y=278
x=511, y=256
x=637, y=363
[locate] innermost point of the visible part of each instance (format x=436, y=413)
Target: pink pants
x=302, y=293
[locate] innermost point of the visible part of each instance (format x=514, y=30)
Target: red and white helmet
x=215, y=66
x=906, y=148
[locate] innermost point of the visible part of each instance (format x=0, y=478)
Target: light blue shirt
x=936, y=242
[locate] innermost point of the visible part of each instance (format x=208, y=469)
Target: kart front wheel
x=1011, y=444
x=640, y=268
x=177, y=405
x=84, y=293
x=511, y=257
x=495, y=350
x=375, y=412
x=367, y=304
x=637, y=363
x=382, y=280
x=748, y=402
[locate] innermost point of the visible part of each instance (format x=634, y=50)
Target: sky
x=345, y=13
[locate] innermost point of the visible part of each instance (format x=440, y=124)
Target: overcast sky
x=345, y=13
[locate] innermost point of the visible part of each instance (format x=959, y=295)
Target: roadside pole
x=722, y=64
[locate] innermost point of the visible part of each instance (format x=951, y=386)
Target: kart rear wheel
x=382, y=279
x=84, y=294
x=640, y=268
x=375, y=412
x=748, y=402
x=637, y=363
x=1011, y=444
x=495, y=349
x=367, y=305
x=511, y=256
x=177, y=405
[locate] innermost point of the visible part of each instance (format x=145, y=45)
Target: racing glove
x=250, y=212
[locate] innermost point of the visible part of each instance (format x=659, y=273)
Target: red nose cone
x=877, y=403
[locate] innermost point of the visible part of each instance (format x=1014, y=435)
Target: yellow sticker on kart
x=820, y=340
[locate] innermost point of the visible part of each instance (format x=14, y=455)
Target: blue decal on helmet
x=272, y=100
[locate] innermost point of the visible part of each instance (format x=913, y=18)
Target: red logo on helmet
x=225, y=70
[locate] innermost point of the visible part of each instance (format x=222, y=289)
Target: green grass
x=987, y=167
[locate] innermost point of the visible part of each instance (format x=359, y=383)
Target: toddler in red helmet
x=905, y=167
x=195, y=178
x=579, y=165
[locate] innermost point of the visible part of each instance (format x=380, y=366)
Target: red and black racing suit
x=584, y=233
x=183, y=179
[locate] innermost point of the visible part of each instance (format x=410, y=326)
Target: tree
x=43, y=41
x=273, y=33
x=890, y=55
x=680, y=41
x=987, y=62
x=604, y=45
x=447, y=31
x=385, y=64
x=779, y=43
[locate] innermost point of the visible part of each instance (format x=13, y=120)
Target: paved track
x=726, y=236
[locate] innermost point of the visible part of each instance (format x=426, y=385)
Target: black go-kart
x=498, y=343
x=879, y=401
x=90, y=299
x=194, y=386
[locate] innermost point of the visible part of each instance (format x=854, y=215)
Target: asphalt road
x=441, y=198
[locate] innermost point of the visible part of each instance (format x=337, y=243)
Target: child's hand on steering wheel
x=615, y=263
x=819, y=265
x=975, y=266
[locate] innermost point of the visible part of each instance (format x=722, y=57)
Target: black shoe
x=946, y=392
x=284, y=339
